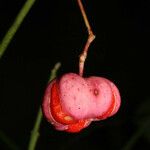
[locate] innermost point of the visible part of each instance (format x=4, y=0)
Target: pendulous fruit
x=72, y=102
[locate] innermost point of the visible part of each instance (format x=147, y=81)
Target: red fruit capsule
x=56, y=108
x=72, y=102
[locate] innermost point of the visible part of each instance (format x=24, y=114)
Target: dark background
x=54, y=31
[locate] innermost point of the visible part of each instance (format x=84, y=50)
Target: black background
x=54, y=31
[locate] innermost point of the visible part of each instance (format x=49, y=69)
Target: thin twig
x=140, y=131
x=8, y=141
x=15, y=26
x=90, y=39
x=35, y=132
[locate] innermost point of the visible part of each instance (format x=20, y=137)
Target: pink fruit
x=72, y=102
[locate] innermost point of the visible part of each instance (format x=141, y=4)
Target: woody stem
x=90, y=39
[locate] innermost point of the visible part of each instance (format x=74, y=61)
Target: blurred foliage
x=142, y=118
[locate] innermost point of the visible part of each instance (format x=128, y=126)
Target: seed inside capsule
x=68, y=118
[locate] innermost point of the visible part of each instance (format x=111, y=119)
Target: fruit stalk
x=90, y=39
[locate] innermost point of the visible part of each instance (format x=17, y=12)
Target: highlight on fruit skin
x=72, y=102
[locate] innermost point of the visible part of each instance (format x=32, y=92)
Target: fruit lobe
x=72, y=102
